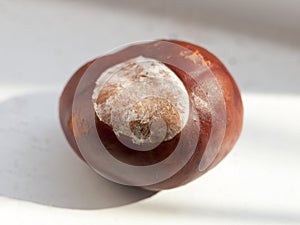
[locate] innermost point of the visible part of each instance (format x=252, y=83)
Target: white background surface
x=43, y=42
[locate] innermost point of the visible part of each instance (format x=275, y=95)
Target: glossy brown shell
x=234, y=117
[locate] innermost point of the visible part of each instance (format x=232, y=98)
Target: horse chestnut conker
x=155, y=115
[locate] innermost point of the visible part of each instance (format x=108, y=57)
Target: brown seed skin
x=234, y=117
x=65, y=107
x=234, y=114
